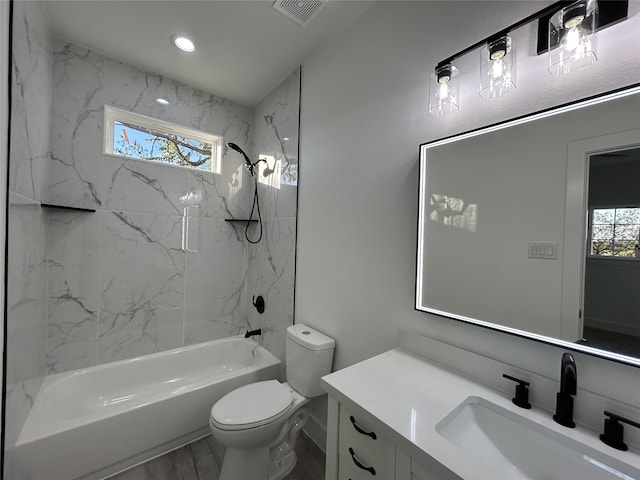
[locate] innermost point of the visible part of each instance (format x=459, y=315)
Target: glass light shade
x=574, y=27
x=444, y=90
x=497, y=68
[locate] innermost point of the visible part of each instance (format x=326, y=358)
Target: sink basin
x=522, y=449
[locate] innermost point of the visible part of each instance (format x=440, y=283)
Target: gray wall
x=364, y=113
x=614, y=184
x=611, y=295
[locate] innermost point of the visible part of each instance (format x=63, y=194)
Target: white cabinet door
x=426, y=468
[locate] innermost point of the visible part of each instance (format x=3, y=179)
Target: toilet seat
x=252, y=405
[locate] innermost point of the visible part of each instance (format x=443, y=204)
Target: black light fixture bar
x=609, y=12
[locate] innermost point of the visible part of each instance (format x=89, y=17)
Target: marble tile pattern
x=30, y=99
x=272, y=261
x=122, y=282
x=26, y=310
x=202, y=459
x=26, y=262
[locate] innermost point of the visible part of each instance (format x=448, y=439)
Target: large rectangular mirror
x=532, y=226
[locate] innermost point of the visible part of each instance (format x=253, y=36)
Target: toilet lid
x=252, y=405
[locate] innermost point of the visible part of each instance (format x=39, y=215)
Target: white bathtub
x=93, y=422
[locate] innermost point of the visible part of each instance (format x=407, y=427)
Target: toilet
x=260, y=422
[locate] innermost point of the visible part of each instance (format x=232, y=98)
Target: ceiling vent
x=300, y=11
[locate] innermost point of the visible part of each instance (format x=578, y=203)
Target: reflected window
x=139, y=137
x=615, y=232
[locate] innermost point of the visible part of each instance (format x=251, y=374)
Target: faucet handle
x=613, y=431
x=522, y=392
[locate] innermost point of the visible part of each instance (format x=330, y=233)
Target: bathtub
x=94, y=422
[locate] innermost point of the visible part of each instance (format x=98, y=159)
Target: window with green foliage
x=136, y=136
x=615, y=232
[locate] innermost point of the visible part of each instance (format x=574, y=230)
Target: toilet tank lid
x=309, y=338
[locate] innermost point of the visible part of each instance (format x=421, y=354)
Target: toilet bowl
x=260, y=422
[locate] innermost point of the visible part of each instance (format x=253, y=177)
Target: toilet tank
x=309, y=356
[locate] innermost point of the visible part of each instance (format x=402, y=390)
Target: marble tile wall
x=26, y=265
x=120, y=282
x=272, y=261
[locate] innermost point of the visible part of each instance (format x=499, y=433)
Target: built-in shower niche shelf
x=65, y=207
x=240, y=220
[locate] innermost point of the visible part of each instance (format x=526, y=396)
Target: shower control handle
x=258, y=303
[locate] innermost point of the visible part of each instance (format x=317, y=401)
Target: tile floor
x=201, y=460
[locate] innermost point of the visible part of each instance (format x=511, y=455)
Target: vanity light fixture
x=497, y=67
x=183, y=43
x=444, y=90
x=574, y=30
x=566, y=29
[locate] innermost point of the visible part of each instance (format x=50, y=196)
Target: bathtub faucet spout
x=251, y=333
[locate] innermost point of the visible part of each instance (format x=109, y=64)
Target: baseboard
x=316, y=432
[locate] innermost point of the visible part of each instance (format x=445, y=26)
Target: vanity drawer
x=360, y=443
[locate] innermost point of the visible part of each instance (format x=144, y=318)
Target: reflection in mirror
x=504, y=240
x=612, y=267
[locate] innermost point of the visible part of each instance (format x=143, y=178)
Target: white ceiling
x=243, y=48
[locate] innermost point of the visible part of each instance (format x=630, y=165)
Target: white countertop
x=410, y=396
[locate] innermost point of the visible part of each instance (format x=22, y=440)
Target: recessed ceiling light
x=162, y=101
x=183, y=43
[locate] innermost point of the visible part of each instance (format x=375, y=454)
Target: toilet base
x=244, y=464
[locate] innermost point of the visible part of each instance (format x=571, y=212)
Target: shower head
x=235, y=147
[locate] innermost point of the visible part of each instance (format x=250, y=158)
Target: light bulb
x=444, y=91
x=497, y=68
x=572, y=40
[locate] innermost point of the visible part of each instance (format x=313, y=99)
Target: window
x=136, y=136
x=615, y=232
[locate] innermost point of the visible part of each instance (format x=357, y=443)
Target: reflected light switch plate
x=544, y=250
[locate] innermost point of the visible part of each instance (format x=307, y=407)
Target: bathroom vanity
x=399, y=416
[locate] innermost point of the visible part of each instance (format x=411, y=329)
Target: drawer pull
x=359, y=430
x=371, y=470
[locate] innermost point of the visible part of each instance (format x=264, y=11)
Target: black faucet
x=568, y=388
x=251, y=333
